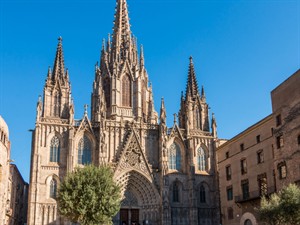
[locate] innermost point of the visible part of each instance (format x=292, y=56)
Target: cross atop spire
x=121, y=31
x=191, y=86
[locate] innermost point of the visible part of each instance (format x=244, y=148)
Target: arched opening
x=126, y=91
x=56, y=106
x=248, y=222
x=174, y=157
x=84, y=151
x=202, y=194
x=201, y=159
x=140, y=200
x=176, y=192
x=54, y=149
x=106, y=87
x=53, y=188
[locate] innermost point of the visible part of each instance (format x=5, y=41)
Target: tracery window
x=84, y=151
x=174, y=157
x=175, y=192
x=53, y=188
x=201, y=159
x=202, y=194
x=54, y=149
x=126, y=91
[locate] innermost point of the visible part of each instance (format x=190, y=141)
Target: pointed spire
x=142, y=60
x=214, y=125
x=121, y=31
x=163, y=114
x=191, y=86
x=59, y=66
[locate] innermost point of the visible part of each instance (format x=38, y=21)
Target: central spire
x=121, y=42
x=192, y=86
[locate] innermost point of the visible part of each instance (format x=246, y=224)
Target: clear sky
x=241, y=49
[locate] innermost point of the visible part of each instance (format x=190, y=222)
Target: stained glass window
x=84, y=151
x=54, y=149
x=53, y=188
x=201, y=159
x=174, y=157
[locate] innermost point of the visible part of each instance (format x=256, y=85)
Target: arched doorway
x=140, y=200
x=248, y=222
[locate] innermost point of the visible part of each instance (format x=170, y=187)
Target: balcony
x=253, y=195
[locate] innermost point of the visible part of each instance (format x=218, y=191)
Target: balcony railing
x=253, y=195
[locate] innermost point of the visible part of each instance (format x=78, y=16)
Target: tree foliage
x=89, y=195
x=282, y=207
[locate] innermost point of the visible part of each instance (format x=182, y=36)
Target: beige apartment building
x=262, y=159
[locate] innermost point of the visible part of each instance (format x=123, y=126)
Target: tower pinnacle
x=191, y=86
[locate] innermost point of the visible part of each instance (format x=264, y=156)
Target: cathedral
x=168, y=175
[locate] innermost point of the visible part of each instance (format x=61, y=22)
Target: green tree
x=89, y=195
x=282, y=207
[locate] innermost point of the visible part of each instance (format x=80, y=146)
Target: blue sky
x=241, y=49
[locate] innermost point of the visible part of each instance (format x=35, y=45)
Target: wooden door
x=124, y=217
x=134, y=216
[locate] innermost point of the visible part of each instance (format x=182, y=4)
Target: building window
x=53, y=189
x=126, y=91
x=174, y=157
x=56, y=108
x=262, y=184
x=243, y=166
x=230, y=213
x=229, y=193
x=257, y=138
x=201, y=159
x=202, y=194
x=106, y=86
x=227, y=155
x=278, y=120
x=245, y=189
x=84, y=151
x=54, y=149
x=260, y=156
x=279, y=141
x=175, y=192
x=242, y=147
x=282, y=170
x=228, y=172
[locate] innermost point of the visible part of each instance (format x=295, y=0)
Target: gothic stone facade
x=168, y=175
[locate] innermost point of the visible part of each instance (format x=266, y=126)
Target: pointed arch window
x=174, y=157
x=53, y=188
x=54, y=149
x=84, y=151
x=175, y=192
x=201, y=159
x=126, y=91
x=202, y=194
x=56, y=108
x=106, y=88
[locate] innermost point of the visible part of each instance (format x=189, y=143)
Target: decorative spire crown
x=59, y=65
x=191, y=86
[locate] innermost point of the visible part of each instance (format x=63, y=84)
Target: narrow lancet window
x=84, y=151
x=201, y=159
x=202, y=194
x=126, y=91
x=54, y=149
x=53, y=188
x=174, y=157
